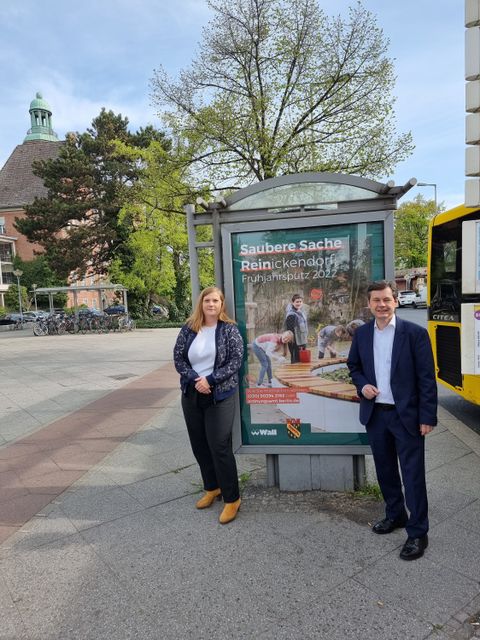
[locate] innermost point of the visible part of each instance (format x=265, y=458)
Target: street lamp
x=430, y=184
x=34, y=287
x=18, y=273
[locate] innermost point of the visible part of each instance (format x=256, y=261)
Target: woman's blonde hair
x=196, y=320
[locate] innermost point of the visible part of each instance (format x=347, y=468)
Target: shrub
x=153, y=323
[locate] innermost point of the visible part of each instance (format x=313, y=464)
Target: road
x=465, y=411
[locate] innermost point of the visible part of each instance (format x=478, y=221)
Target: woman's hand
x=202, y=386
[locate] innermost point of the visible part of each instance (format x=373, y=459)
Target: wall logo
x=264, y=432
x=294, y=428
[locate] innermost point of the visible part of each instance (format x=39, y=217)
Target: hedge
x=151, y=323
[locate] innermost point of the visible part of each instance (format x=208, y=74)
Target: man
x=391, y=365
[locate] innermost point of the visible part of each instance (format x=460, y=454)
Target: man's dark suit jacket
x=412, y=377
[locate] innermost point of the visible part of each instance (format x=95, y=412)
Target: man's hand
x=202, y=386
x=425, y=428
x=370, y=392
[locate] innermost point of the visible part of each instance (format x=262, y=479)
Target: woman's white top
x=202, y=351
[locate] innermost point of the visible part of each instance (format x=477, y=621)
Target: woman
x=327, y=336
x=296, y=322
x=207, y=355
x=267, y=346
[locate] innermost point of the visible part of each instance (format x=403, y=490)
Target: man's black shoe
x=387, y=526
x=414, y=548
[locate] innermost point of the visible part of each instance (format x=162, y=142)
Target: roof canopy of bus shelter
x=74, y=290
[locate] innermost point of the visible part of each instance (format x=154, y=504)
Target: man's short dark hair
x=379, y=285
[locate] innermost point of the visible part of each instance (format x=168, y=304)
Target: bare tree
x=278, y=87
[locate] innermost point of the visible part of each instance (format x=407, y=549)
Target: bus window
x=445, y=272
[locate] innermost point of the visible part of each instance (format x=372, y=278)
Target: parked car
x=159, y=310
x=5, y=320
x=90, y=311
x=14, y=317
x=421, y=298
x=406, y=298
x=33, y=316
x=115, y=309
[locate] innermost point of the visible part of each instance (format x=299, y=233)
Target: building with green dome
x=19, y=187
x=41, y=121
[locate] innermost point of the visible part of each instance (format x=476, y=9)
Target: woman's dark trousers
x=209, y=426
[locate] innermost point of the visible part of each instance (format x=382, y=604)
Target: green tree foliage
x=411, y=232
x=278, y=87
x=77, y=224
x=11, y=298
x=39, y=272
x=157, y=269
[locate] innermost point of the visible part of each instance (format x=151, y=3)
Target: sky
x=83, y=56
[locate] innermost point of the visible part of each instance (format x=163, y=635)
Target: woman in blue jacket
x=207, y=355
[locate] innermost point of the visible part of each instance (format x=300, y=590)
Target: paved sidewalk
x=120, y=552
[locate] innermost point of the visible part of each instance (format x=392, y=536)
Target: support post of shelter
x=217, y=239
x=75, y=303
x=192, y=251
x=272, y=470
x=359, y=472
x=125, y=301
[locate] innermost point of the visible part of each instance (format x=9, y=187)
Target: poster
x=299, y=295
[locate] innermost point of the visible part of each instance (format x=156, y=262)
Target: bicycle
x=40, y=327
x=71, y=324
x=125, y=323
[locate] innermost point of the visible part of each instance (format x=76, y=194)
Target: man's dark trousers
x=388, y=439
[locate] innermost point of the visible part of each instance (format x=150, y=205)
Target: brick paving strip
x=39, y=467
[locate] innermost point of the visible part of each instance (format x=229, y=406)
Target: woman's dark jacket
x=228, y=359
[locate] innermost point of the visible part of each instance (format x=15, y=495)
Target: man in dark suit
x=392, y=367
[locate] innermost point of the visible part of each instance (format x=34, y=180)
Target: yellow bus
x=453, y=299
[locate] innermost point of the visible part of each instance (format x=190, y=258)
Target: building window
x=7, y=277
x=5, y=253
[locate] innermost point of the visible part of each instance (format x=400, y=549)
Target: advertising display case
x=310, y=401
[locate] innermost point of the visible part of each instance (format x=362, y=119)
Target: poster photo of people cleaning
x=300, y=294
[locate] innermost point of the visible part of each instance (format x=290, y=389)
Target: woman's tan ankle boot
x=230, y=511
x=208, y=499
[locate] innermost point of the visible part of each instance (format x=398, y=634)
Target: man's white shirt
x=382, y=357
